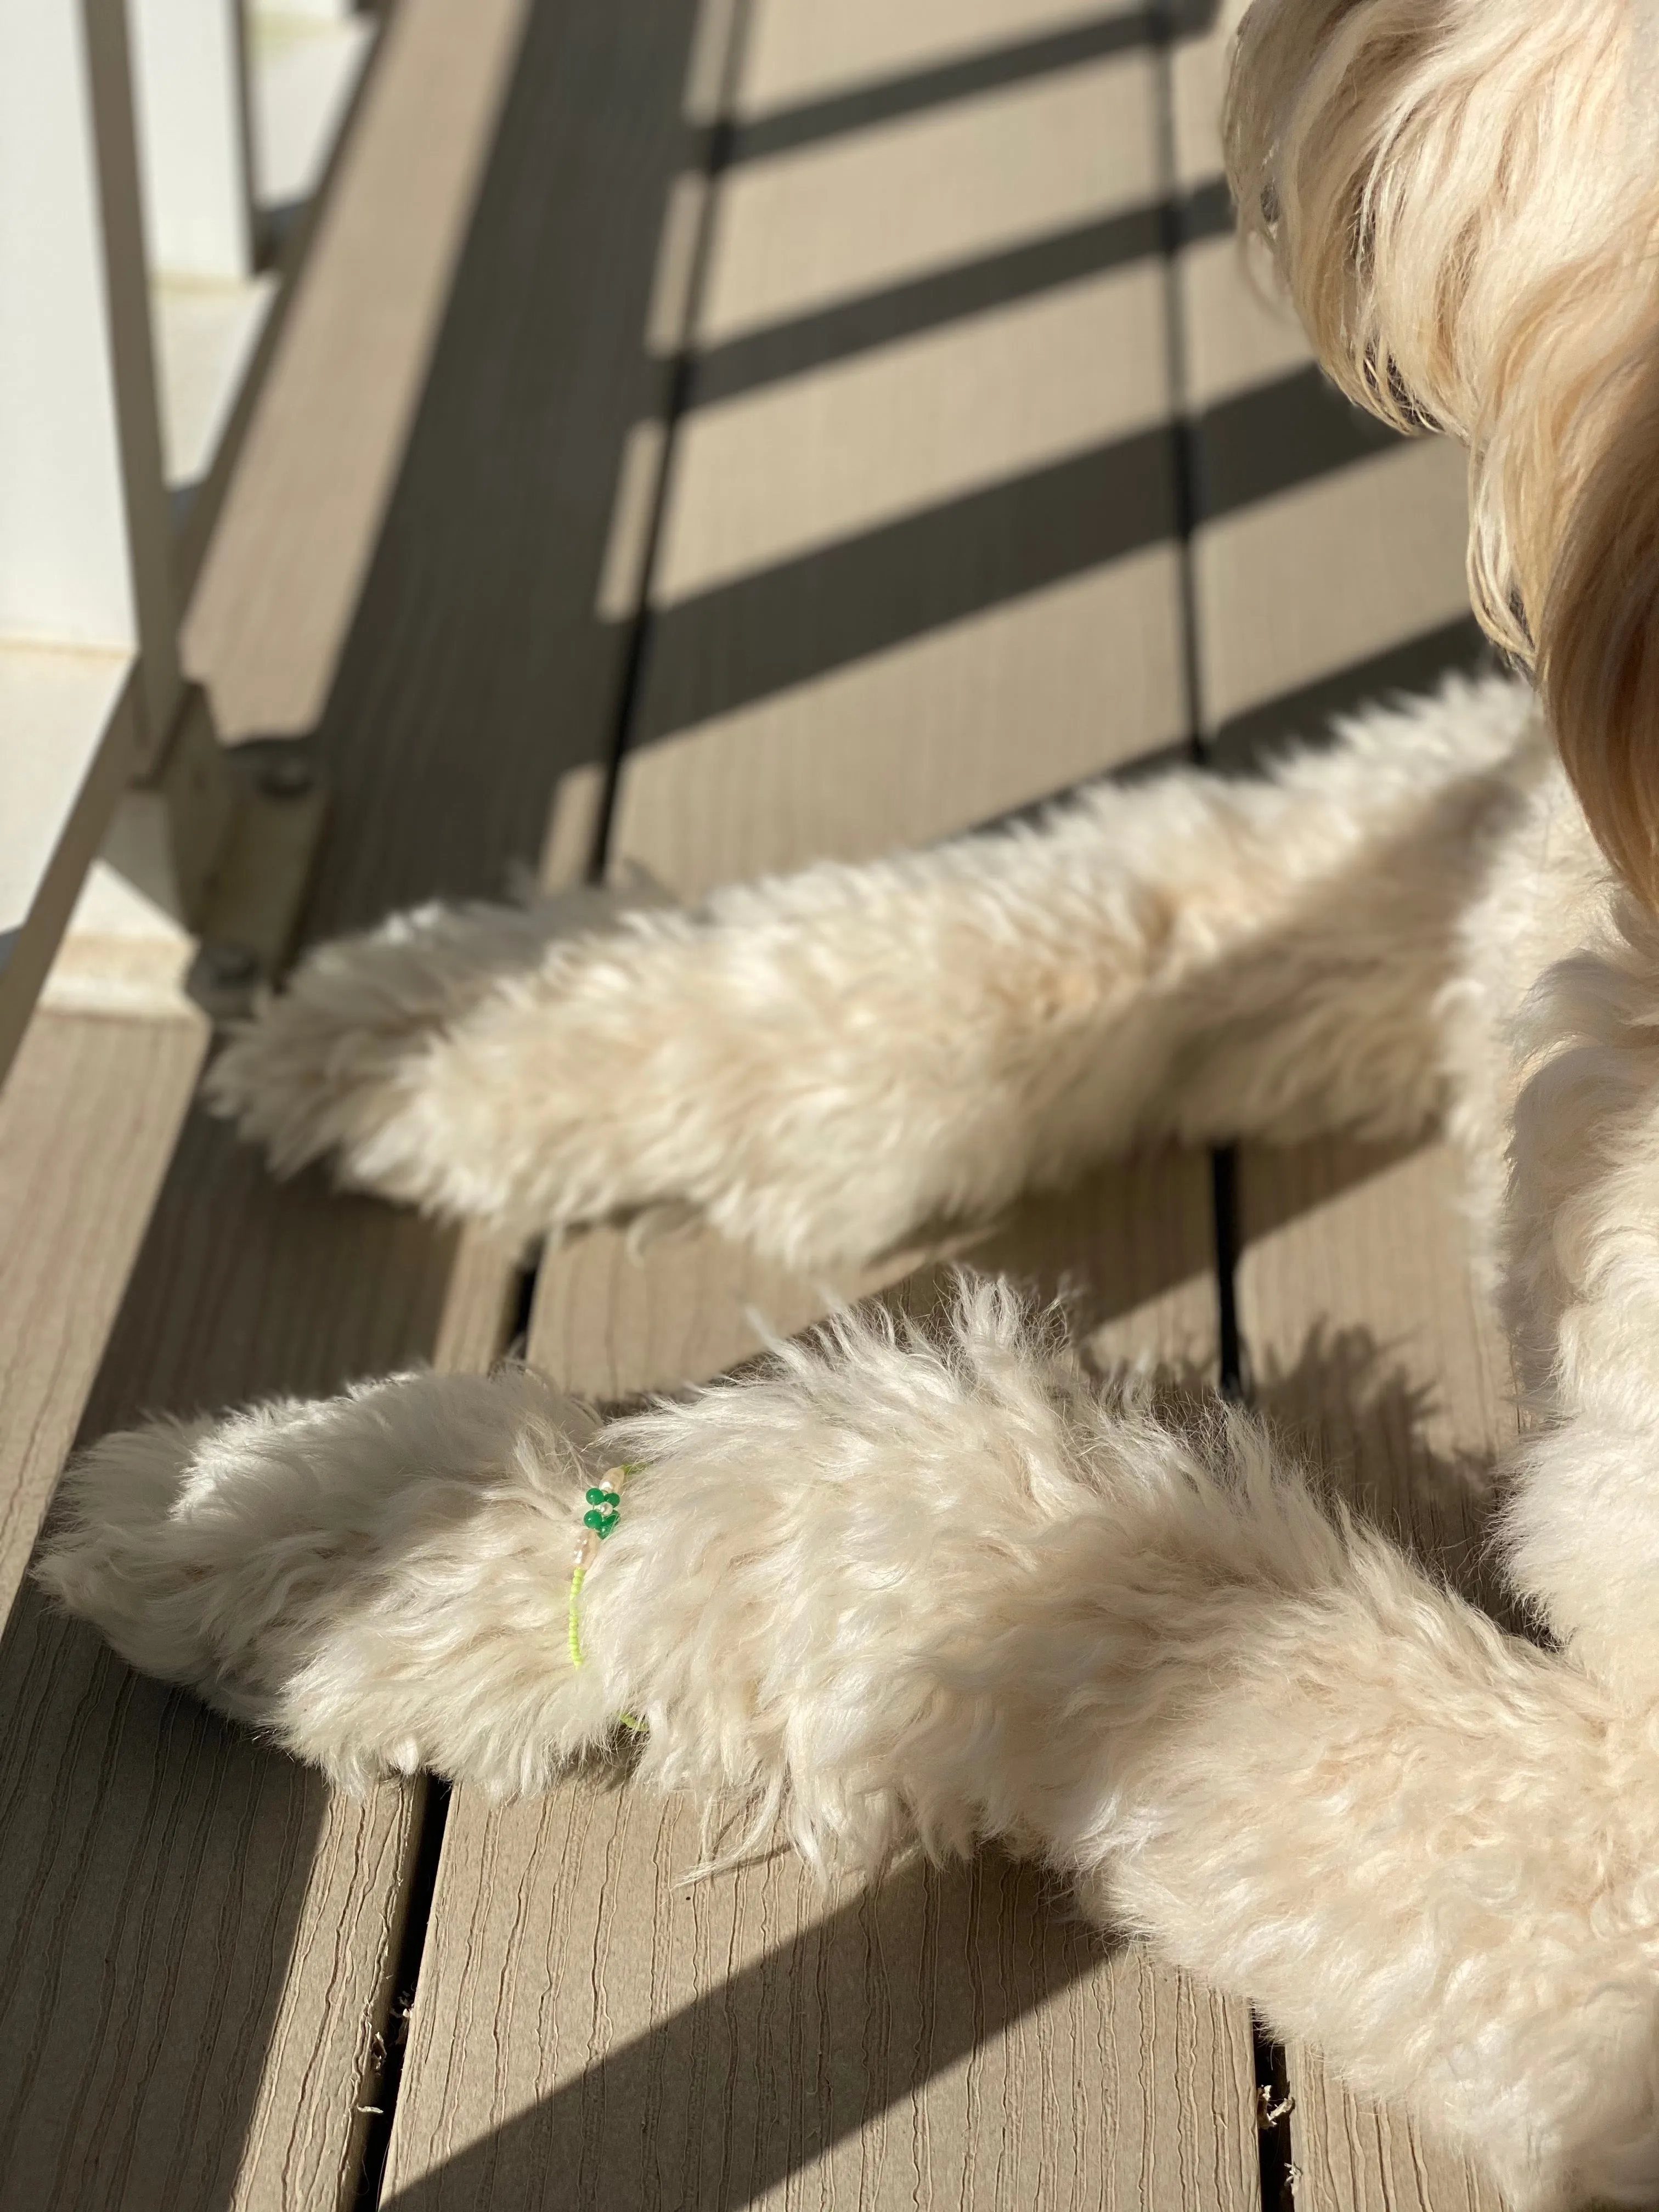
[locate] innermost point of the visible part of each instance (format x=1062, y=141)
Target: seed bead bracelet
x=603, y=1502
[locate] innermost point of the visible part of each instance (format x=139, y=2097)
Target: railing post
x=190, y=81
x=85, y=552
x=93, y=698
x=315, y=11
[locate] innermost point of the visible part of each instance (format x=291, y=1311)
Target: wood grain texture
x=947, y=2039
x=767, y=475
x=1317, y=546
x=1372, y=1352
x=304, y=2142
x=88, y=1115
x=1296, y=586
x=156, y=1865
x=478, y=675
x=964, y=722
x=1128, y=1250
x=1238, y=328
x=1369, y=1339
x=862, y=210
x=198, y=1941
x=915, y=566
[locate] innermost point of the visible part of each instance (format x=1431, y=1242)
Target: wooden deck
x=705, y=438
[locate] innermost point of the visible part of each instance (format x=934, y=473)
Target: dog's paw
x=536, y=1068
x=378, y=1582
x=321, y=1067
x=118, y=1553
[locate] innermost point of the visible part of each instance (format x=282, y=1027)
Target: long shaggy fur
x=1029, y=1001
x=906, y=1591
x=919, y=1592
x=1463, y=197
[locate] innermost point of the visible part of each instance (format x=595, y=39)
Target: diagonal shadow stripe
x=741, y=641
x=1188, y=19
x=902, y=311
x=1206, y=212
x=1250, y=740
x=1275, y=436
x=794, y=2053
x=894, y=98
x=1248, y=743
x=859, y=325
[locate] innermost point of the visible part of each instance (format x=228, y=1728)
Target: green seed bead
x=598, y=1496
x=594, y=1520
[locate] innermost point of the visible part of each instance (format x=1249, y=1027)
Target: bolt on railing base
x=247, y=916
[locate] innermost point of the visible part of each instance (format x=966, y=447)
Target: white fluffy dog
x=908, y=1589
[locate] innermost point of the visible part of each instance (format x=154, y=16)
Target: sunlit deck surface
x=707, y=437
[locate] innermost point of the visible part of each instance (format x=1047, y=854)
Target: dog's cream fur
x=1463, y=196
x=906, y=1590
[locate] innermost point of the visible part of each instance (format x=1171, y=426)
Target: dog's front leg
x=900, y=1590
x=1580, y=1292
x=824, y=1064
x=378, y=1581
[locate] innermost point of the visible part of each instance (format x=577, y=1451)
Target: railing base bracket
x=250, y=908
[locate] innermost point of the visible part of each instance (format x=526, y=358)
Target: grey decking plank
x=199, y=1941
x=770, y=2046
x=937, y=567
x=88, y=1114
x=1351, y=547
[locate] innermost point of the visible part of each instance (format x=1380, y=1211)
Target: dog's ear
x=1463, y=196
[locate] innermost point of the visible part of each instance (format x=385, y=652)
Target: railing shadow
x=796, y=2052
x=153, y=1862
x=1365, y=1427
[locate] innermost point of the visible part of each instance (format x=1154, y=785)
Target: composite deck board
x=800, y=57
x=198, y=1941
x=611, y=1324
x=1327, y=559
x=88, y=1114
x=1372, y=1351
x=271, y=612
x=1329, y=575
x=947, y=2039
x=918, y=567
